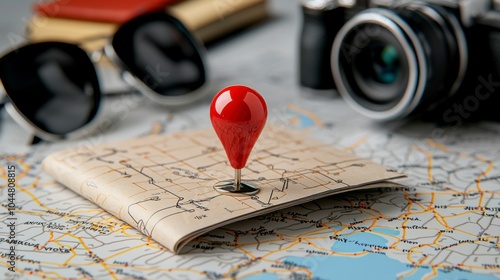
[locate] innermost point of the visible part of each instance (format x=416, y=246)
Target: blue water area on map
x=305, y=121
x=264, y=276
x=371, y=266
x=359, y=242
x=366, y=266
x=346, y=247
x=388, y=231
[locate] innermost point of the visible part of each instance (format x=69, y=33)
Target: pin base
x=228, y=188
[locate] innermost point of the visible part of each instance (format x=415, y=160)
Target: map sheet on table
x=163, y=185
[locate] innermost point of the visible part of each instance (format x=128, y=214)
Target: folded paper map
x=163, y=184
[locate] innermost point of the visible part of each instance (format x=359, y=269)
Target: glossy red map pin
x=238, y=114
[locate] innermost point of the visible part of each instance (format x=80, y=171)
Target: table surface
x=443, y=225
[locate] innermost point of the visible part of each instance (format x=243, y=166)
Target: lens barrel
x=390, y=63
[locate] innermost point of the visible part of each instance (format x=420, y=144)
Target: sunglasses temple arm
x=3, y=96
x=35, y=140
x=95, y=55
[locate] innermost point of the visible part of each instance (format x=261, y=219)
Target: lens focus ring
x=388, y=64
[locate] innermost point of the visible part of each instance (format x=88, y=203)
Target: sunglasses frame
x=138, y=84
x=20, y=119
x=126, y=75
x=27, y=124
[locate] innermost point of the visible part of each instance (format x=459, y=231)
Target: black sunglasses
x=54, y=90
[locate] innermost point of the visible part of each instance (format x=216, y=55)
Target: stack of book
x=91, y=22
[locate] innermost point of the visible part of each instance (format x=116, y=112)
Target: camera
x=393, y=59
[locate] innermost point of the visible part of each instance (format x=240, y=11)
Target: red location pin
x=238, y=114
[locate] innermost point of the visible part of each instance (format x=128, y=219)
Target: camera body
x=392, y=59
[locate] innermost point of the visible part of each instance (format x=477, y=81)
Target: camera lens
x=378, y=72
x=388, y=64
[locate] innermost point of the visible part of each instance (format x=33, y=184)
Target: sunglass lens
x=160, y=51
x=53, y=85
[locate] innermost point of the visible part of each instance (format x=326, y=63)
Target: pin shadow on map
x=238, y=114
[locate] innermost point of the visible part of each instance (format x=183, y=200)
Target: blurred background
x=13, y=19
x=247, y=42
x=217, y=24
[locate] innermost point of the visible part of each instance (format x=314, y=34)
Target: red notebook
x=115, y=11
